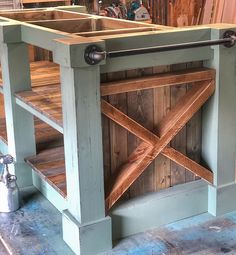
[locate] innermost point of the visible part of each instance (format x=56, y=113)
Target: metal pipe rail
x=94, y=54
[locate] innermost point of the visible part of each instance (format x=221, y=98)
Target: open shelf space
x=43, y=73
x=46, y=137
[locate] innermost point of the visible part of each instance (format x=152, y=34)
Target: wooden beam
x=185, y=107
x=151, y=139
x=142, y=157
x=160, y=80
x=126, y=122
x=28, y=15
x=67, y=25
x=116, y=31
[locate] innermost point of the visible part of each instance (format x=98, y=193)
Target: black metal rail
x=93, y=54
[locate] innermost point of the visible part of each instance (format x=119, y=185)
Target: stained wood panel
x=140, y=108
x=180, y=141
x=118, y=136
x=161, y=104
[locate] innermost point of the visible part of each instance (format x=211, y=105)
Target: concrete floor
x=35, y=229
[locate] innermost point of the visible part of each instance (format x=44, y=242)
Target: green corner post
x=16, y=77
x=86, y=229
x=219, y=127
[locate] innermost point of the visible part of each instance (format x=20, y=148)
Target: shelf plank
x=46, y=137
x=45, y=103
x=50, y=165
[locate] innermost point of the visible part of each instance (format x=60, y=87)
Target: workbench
x=112, y=120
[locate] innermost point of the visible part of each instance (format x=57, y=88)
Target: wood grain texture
x=140, y=109
x=118, y=136
x=50, y=165
x=151, y=139
x=169, y=127
x=161, y=104
x=156, y=81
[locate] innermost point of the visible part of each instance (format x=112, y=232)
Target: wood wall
x=181, y=12
x=148, y=107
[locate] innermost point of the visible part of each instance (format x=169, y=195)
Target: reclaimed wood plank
x=155, y=81
x=161, y=108
x=180, y=140
x=140, y=108
x=145, y=154
x=135, y=128
x=50, y=165
x=118, y=136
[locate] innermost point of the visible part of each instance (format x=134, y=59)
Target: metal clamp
x=94, y=55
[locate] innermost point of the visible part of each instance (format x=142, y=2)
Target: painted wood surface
x=20, y=129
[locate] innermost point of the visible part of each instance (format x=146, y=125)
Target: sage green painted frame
x=83, y=211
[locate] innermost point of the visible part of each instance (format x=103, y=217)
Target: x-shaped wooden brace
x=155, y=143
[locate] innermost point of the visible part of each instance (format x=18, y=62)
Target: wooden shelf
x=46, y=137
x=45, y=103
x=50, y=165
x=45, y=80
x=45, y=77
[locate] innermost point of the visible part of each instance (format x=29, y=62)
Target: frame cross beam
x=156, y=142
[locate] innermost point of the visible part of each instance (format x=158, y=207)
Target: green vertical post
x=19, y=123
x=86, y=229
x=219, y=128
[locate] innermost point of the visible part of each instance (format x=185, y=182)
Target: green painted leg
x=20, y=125
x=85, y=228
x=87, y=239
x=219, y=129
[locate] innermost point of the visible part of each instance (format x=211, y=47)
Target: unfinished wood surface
x=169, y=127
x=117, y=31
x=44, y=14
x=220, y=11
x=74, y=25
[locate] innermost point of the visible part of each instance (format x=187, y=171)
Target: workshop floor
x=35, y=229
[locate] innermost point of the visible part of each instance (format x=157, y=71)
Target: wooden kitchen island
x=123, y=144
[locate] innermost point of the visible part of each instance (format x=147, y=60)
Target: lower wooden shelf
x=50, y=165
x=49, y=161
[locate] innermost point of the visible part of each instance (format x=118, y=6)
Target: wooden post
x=85, y=227
x=20, y=125
x=219, y=128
